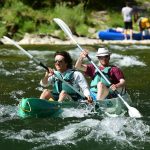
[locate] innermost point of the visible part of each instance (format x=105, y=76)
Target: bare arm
x=44, y=81
x=79, y=63
x=121, y=84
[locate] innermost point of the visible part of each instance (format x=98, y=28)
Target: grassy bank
x=17, y=18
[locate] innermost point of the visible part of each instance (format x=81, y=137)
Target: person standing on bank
x=99, y=88
x=60, y=90
x=127, y=13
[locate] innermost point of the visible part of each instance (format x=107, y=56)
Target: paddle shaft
x=42, y=65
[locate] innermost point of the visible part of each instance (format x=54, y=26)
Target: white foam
x=72, y=112
x=126, y=61
x=7, y=112
x=16, y=94
x=116, y=59
x=123, y=131
x=41, y=54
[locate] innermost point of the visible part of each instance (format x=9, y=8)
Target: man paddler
x=99, y=88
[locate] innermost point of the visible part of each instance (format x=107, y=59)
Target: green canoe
x=35, y=107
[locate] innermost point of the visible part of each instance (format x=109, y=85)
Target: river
x=19, y=77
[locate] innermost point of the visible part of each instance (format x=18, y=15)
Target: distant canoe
x=112, y=34
x=35, y=107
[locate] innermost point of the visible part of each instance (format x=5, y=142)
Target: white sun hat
x=103, y=52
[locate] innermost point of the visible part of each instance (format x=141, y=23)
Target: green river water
x=19, y=77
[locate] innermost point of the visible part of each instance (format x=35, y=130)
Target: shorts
x=74, y=97
x=110, y=95
x=93, y=95
x=128, y=25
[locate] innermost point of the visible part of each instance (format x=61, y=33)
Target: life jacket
x=58, y=85
x=98, y=78
x=145, y=23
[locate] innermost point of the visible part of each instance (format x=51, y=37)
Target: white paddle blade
x=64, y=27
x=133, y=112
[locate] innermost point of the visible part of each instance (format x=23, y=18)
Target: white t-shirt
x=127, y=14
x=79, y=82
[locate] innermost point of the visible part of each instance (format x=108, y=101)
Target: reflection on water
x=73, y=128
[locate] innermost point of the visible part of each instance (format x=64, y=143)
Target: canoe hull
x=114, y=106
x=35, y=107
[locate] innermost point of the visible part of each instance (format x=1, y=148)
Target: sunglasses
x=103, y=57
x=59, y=61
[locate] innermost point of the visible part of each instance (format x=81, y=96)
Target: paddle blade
x=64, y=27
x=133, y=112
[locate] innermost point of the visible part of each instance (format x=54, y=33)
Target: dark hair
x=67, y=58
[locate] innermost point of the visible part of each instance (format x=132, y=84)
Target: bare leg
x=125, y=34
x=102, y=91
x=63, y=95
x=131, y=34
x=46, y=94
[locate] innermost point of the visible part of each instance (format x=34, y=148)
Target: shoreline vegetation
x=31, y=22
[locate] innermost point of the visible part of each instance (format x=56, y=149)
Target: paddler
x=64, y=69
x=99, y=88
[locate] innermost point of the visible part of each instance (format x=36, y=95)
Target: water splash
x=126, y=61
x=72, y=112
x=8, y=112
x=16, y=94
x=125, y=132
x=116, y=59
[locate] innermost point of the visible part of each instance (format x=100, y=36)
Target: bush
x=3, y=31
x=72, y=16
x=82, y=30
x=28, y=26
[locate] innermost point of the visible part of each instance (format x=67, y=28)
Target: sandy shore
x=43, y=40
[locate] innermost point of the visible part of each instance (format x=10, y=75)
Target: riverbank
x=32, y=39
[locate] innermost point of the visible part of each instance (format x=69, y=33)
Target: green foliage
x=72, y=16
x=28, y=26
x=115, y=19
x=82, y=30
x=43, y=29
x=36, y=16
x=3, y=31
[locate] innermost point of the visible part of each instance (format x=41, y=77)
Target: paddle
x=133, y=112
x=41, y=64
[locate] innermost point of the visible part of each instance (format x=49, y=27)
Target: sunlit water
x=74, y=128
